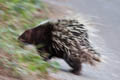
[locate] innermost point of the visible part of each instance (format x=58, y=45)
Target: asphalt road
x=107, y=14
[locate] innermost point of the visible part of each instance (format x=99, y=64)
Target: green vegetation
x=15, y=17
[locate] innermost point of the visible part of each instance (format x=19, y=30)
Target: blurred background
x=23, y=63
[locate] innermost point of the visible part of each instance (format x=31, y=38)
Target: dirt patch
x=6, y=72
x=7, y=78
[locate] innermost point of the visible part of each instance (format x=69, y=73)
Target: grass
x=15, y=17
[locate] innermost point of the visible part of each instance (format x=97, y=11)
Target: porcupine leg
x=75, y=64
x=45, y=57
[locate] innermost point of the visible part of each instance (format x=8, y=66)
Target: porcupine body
x=66, y=39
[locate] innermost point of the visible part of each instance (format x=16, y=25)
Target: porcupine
x=63, y=38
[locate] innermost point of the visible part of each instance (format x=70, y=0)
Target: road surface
x=107, y=14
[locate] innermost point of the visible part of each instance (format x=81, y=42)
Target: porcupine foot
x=75, y=64
x=76, y=70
